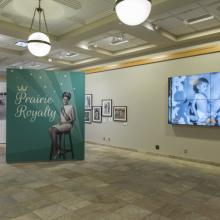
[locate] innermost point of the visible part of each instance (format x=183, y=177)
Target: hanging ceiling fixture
x=38, y=42
x=132, y=12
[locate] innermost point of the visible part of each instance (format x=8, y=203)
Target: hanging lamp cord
x=40, y=11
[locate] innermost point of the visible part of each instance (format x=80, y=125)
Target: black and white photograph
x=97, y=114
x=88, y=117
x=88, y=101
x=120, y=113
x=107, y=107
x=2, y=101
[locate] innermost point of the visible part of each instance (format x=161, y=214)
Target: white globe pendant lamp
x=39, y=43
x=133, y=12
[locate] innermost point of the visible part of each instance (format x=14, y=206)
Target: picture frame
x=88, y=101
x=107, y=107
x=120, y=113
x=97, y=114
x=88, y=117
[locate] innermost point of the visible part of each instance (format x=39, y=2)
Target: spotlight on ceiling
x=21, y=43
x=133, y=12
x=71, y=54
x=119, y=39
x=150, y=26
x=38, y=42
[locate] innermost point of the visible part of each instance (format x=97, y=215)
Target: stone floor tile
x=110, y=184
x=51, y=212
x=75, y=203
x=128, y=196
x=131, y=212
x=156, y=217
x=47, y=189
x=27, y=217
x=26, y=194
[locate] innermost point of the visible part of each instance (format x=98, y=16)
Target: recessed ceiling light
x=92, y=45
x=118, y=39
x=71, y=54
x=33, y=65
x=199, y=19
x=150, y=26
x=50, y=60
x=84, y=45
x=21, y=44
x=118, y=42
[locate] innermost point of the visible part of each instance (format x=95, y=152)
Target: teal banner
x=45, y=115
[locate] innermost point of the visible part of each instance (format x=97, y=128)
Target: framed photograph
x=107, y=107
x=88, y=101
x=88, y=117
x=120, y=113
x=97, y=114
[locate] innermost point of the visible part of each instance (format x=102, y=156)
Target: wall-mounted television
x=194, y=99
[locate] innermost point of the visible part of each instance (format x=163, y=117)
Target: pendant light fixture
x=132, y=12
x=39, y=43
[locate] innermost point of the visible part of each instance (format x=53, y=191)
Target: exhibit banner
x=45, y=115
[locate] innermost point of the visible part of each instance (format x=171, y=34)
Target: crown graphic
x=22, y=88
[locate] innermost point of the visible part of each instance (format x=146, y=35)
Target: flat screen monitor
x=194, y=99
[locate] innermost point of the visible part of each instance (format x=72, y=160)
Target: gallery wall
x=144, y=90
x=2, y=111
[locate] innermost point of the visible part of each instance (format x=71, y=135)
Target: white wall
x=2, y=122
x=144, y=90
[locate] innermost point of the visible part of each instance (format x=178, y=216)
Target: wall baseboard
x=160, y=155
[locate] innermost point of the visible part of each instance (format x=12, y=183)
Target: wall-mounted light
x=133, y=12
x=38, y=42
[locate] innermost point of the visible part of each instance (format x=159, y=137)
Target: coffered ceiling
x=87, y=32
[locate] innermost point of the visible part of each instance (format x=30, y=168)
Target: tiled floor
x=111, y=184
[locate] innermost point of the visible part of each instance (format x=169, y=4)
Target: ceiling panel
x=185, y=9
x=62, y=55
x=69, y=21
x=74, y=4
x=214, y=9
x=178, y=31
x=4, y=3
x=192, y=13
x=66, y=13
x=168, y=23
x=206, y=25
x=105, y=41
x=2, y=57
x=30, y=65
x=9, y=43
x=208, y=2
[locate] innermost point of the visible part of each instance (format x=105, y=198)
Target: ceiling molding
x=74, y=4
x=4, y=3
x=122, y=52
x=154, y=59
x=87, y=29
x=11, y=52
x=19, y=32
x=188, y=36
